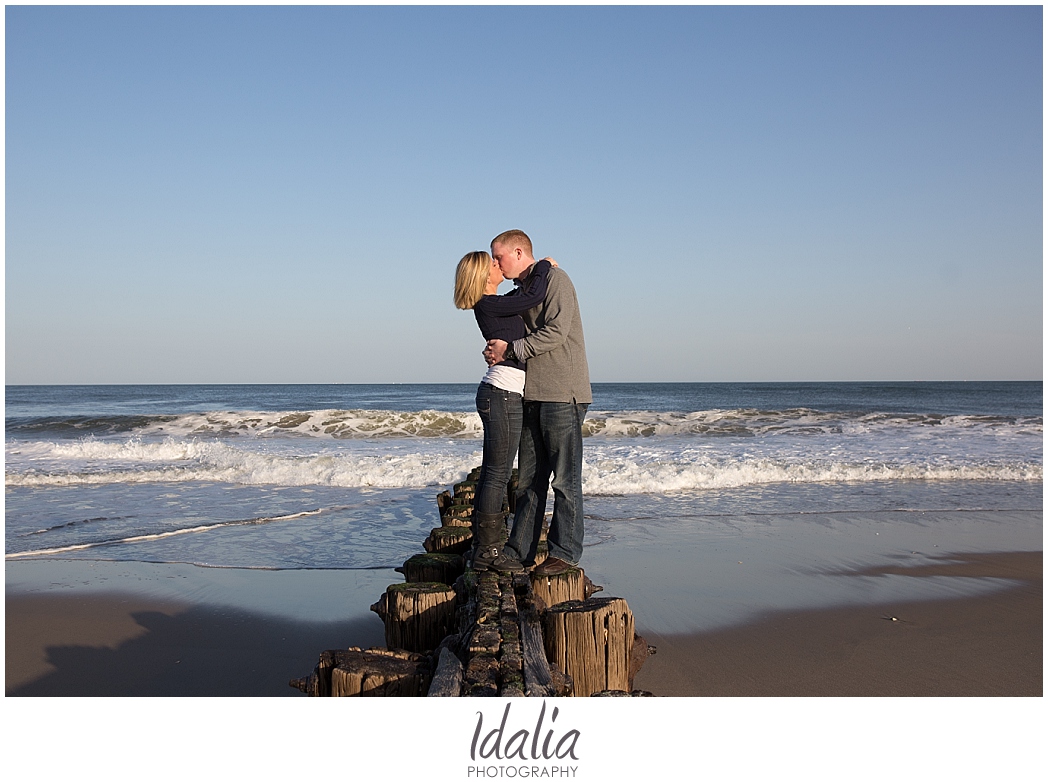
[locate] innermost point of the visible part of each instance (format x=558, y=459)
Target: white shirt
x=506, y=378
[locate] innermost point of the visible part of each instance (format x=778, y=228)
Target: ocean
x=344, y=476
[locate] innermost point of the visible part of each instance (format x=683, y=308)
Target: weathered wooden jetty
x=452, y=631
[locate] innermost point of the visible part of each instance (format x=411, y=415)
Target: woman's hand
x=552, y=262
x=494, y=351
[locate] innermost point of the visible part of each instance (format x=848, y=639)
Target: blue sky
x=213, y=195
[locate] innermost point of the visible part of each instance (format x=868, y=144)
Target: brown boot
x=489, y=554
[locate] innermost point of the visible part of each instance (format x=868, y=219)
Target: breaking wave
x=377, y=424
x=177, y=461
x=610, y=469
x=624, y=477
x=626, y=452
x=329, y=424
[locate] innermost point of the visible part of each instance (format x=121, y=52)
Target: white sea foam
x=97, y=462
x=799, y=421
x=625, y=452
x=612, y=468
x=328, y=424
x=625, y=477
x=379, y=424
x=160, y=535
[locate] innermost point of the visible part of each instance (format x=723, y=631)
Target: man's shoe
x=553, y=566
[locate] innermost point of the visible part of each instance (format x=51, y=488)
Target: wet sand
x=128, y=645
x=135, y=628
x=985, y=645
x=122, y=643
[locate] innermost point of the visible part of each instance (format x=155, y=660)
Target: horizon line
x=470, y=383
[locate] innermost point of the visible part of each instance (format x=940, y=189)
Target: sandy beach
x=125, y=645
x=138, y=628
x=153, y=643
x=988, y=645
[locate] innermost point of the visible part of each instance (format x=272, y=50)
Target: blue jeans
x=500, y=411
x=550, y=444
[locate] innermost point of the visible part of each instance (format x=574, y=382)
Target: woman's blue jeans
x=500, y=411
x=550, y=445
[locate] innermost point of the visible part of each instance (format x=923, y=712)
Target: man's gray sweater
x=555, y=347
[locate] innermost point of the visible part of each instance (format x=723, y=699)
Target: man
x=556, y=397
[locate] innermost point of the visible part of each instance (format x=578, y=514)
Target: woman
x=500, y=395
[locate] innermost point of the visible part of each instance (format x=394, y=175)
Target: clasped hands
x=495, y=351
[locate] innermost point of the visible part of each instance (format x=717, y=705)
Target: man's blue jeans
x=550, y=445
x=500, y=411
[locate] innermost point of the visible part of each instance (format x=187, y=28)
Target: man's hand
x=552, y=262
x=495, y=351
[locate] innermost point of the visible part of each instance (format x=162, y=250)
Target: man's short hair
x=514, y=238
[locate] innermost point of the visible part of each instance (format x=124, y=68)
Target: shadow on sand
x=200, y=652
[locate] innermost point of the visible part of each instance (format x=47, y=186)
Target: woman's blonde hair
x=471, y=278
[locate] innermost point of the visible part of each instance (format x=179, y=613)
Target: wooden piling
x=448, y=540
x=591, y=640
x=551, y=590
x=380, y=673
x=419, y=615
x=370, y=672
x=441, y=567
x=464, y=491
x=459, y=515
x=444, y=501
